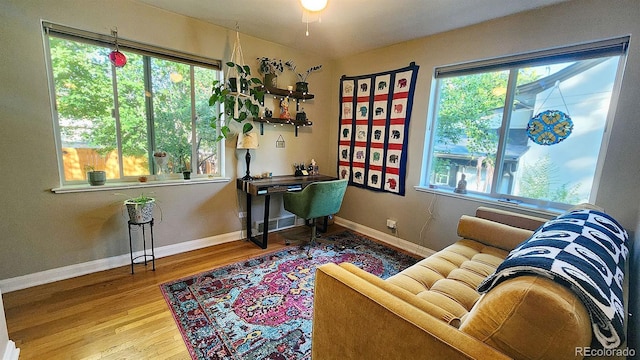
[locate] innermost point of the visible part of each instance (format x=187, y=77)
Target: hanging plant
x=238, y=106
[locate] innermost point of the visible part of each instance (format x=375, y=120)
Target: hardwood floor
x=113, y=314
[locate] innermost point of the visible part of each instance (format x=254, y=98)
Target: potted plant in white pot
x=140, y=209
x=95, y=177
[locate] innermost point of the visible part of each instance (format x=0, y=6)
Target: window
x=116, y=119
x=486, y=140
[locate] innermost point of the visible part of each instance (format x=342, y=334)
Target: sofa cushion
x=401, y=293
x=513, y=308
x=449, y=278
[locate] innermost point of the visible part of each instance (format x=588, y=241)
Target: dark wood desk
x=267, y=187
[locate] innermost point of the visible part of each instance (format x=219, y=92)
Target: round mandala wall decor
x=549, y=127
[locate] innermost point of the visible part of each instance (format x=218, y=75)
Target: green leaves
x=237, y=107
x=466, y=103
x=225, y=131
x=247, y=127
x=243, y=70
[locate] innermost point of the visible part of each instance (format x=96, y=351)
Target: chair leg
x=312, y=241
x=303, y=241
x=319, y=237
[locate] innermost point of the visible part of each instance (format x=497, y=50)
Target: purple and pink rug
x=262, y=308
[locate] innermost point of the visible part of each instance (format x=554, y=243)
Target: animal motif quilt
x=374, y=118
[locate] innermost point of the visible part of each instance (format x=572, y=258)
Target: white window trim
x=136, y=185
x=106, y=40
x=540, y=206
x=549, y=210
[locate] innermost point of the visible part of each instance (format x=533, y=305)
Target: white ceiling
x=347, y=26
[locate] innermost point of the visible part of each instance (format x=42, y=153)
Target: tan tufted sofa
x=432, y=310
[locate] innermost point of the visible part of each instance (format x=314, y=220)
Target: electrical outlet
x=391, y=224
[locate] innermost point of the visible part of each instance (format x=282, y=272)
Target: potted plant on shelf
x=186, y=168
x=161, y=159
x=95, y=177
x=238, y=106
x=302, y=85
x=270, y=68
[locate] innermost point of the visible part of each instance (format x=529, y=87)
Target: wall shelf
x=275, y=121
x=297, y=96
x=292, y=94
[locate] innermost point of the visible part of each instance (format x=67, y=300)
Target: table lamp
x=248, y=141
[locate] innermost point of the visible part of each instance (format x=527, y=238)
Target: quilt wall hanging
x=374, y=118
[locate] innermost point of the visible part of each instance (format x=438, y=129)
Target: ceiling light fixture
x=314, y=5
x=311, y=11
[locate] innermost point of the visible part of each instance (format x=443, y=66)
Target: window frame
x=148, y=52
x=617, y=46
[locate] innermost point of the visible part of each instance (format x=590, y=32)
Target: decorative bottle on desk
x=313, y=168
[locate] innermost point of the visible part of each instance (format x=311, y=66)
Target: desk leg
x=265, y=226
x=248, y=225
x=265, y=233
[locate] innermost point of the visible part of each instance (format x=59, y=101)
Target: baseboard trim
x=384, y=237
x=11, y=352
x=71, y=271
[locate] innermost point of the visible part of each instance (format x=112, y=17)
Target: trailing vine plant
x=239, y=104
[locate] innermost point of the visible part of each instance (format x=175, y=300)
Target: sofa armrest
x=354, y=319
x=531, y=317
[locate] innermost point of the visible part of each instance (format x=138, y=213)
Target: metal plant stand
x=145, y=256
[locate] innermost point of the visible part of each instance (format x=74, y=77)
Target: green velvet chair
x=316, y=200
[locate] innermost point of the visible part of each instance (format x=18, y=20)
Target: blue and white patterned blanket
x=585, y=251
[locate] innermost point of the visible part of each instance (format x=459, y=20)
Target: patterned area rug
x=262, y=308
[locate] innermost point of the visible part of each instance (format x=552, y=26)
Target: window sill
x=530, y=209
x=136, y=185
